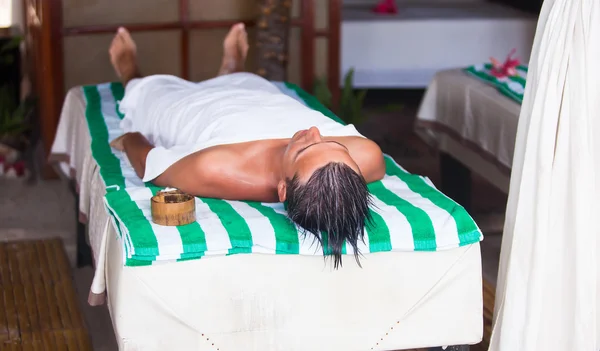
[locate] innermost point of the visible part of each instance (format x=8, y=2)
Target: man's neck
x=264, y=158
x=274, y=160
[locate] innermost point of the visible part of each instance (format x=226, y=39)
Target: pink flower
x=508, y=68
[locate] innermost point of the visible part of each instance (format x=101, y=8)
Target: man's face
x=307, y=152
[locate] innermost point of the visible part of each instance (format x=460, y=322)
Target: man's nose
x=313, y=133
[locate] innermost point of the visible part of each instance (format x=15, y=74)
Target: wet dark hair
x=335, y=202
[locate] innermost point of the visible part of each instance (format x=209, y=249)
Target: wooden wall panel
x=95, y=12
x=294, y=74
x=223, y=10
x=206, y=51
x=86, y=57
x=321, y=14
x=294, y=63
x=296, y=6
x=321, y=52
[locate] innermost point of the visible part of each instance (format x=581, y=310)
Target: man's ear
x=281, y=190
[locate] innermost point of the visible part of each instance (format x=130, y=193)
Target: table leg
x=456, y=180
x=84, y=252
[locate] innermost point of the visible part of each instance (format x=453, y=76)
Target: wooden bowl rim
x=189, y=197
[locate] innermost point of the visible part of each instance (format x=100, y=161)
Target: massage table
x=473, y=125
x=429, y=294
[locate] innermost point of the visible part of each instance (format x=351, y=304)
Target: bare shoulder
x=204, y=164
x=216, y=159
x=221, y=172
x=361, y=148
x=367, y=155
x=368, y=146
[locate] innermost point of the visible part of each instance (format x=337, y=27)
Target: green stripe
x=142, y=239
x=118, y=92
x=122, y=237
x=326, y=249
x=153, y=188
x=379, y=234
x=286, y=235
x=110, y=168
x=193, y=238
x=325, y=243
x=519, y=80
x=465, y=225
x=502, y=87
x=422, y=228
x=137, y=263
x=510, y=93
x=112, y=214
x=191, y=257
x=235, y=225
x=313, y=102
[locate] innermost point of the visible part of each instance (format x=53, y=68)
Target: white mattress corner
x=268, y=302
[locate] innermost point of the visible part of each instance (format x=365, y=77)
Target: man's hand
x=136, y=147
x=118, y=142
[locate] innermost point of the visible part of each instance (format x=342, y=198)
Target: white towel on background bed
x=181, y=117
x=548, y=289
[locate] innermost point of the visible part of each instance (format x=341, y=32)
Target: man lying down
x=237, y=137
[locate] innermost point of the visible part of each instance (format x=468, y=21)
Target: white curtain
x=547, y=297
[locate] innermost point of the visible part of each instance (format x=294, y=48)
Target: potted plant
x=14, y=120
x=351, y=102
x=15, y=115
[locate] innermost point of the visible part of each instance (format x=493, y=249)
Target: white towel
x=181, y=117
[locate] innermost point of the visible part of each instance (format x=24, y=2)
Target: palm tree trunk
x=273, y=27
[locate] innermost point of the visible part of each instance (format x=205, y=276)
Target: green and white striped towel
x=513, y=87
x=410, y=214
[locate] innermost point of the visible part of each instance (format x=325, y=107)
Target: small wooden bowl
x=173, y=208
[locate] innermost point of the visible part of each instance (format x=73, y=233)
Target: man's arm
x=216, y=173
x=188, y=174
x=136, y=147
x=206, y=173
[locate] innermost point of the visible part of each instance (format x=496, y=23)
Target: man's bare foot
x=123, y=56
x=235, y=50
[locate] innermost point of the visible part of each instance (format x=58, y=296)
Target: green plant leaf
x=14, y=118
x=351, y=102
x=360, y=98
x=348, y=85
x=12, y=44
x=322, y=92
